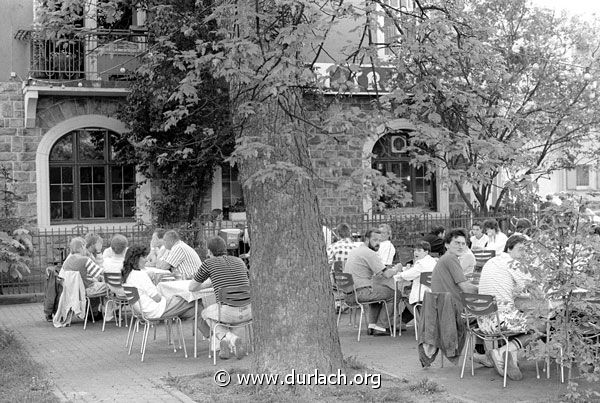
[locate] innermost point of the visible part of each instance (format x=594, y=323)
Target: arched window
x=85, y=183
x=389, y=158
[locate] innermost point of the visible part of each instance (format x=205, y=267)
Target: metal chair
x=88, y=306
x=424, y=281
x=133, y=297
x=481, y=258
x=345, y=283
x=478, y=306
x=115, y=296
x=236, y=296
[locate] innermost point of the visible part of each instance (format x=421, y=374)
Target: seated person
x=423, y=263
x=496, y=238
x=479, y=239
x=503, y=277
x=182, y=260
x=223, y=271
x=369, y=274
x=93, y=245
x=339, y=250
x=114, y=256
x=436, y=239
x=386, y=251
x=157, y=247
x=91, y=273
x=152, y=304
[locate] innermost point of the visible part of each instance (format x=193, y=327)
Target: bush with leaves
x=564, y=260
x=16, y=247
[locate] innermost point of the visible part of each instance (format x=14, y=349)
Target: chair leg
x=181, y=339
x=462, y=371
x=505, y=363
x=387, y=311
x=108, y=301
x=129, y=332
x=416, y=322
x=360, y=321
x=145, y=342
x=87, y=308
x=132, y=334
x=339, y=315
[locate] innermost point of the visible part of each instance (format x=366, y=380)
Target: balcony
x=90, y=63
x=99, y=55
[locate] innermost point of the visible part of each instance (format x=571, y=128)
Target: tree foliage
x=501, y=93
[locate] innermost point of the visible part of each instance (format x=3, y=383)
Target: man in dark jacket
x=436, y=240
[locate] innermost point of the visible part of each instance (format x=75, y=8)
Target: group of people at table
x=370, y=264
x=169, y=257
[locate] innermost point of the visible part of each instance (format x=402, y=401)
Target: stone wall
x=18, y=145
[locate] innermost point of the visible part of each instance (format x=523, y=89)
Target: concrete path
x=93, y=366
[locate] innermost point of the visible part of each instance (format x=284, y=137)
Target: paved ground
x=93, y=366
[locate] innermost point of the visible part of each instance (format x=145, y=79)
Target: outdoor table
x=181, y=288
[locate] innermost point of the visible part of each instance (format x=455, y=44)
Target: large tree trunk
x=295, y=323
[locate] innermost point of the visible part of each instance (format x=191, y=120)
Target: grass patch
x=202, y=388
x=21, y=378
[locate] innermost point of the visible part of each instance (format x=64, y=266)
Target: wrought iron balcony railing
x=107, y=55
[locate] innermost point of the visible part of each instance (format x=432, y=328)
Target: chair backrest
x=344, y=282
x=338, y=266
x=479, y=304
x=425, y=278
x=132, y=294
x=113, y=279
x=235, y=296
x=481, y=257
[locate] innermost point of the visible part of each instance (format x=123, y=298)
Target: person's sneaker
x=498, y=361
x=512, y=370
x=238, y=348
x=483, y=359
x=224, y=352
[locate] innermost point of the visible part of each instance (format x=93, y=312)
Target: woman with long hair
x=152, y=303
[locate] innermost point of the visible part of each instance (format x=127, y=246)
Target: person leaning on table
x=152, y=304
x=223, y=271
x=372, y=280
x=181, y=259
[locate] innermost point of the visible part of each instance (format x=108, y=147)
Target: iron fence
x=51, y=245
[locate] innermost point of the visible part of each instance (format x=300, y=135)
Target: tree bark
x=292, y=300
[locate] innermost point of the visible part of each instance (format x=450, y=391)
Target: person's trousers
x=177, y=306
x=376, y=313
x=230, y=315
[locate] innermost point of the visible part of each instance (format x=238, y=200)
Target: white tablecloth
x=182, y=288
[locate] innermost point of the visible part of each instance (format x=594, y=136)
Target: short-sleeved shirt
x=363, y=263
x=340, y=250
x=386, y=252
x=501, y=277
x=447, y=274
x=184, y=260
x=479, y=243
x=223, y=271
x=85, y=266
x=146, y=290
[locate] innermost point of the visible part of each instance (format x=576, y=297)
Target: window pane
x=67, y=175
x=99, y=210
x=67, y=192
x=86, y=211
x=98, y=174
x=129, y=208
x=117, y=209
x=86, y=192
x=68, y=211
x=91, y=145
x=55, y=193
x=55, y=211
x=62, y=150
x=85, y=174
x=99, y=192
x=116, y=174
x=55, y=175
x=129, y=174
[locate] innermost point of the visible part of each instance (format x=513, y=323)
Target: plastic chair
x=133, y=297
x=237, y=296
x=478, y=306
x=115, y=296
x=424, y=281
x=345, y=283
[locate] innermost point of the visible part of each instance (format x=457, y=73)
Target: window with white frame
x=86, y=184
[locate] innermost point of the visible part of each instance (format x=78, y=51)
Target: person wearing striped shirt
x=91, y=273
x=182, y=259
x=223, y=271
x=503, y=277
